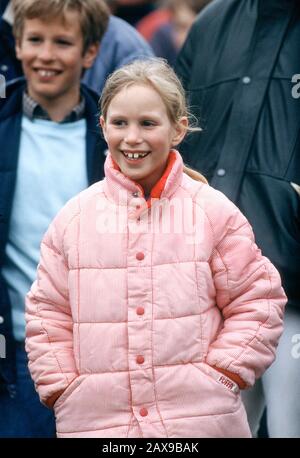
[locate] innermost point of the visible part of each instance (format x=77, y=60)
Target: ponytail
x=194, y=174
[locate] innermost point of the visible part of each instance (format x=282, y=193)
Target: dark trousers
x=22, y=414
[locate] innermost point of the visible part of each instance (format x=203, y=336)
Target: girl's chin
x=133, y=162
x=133, y=176
x=133, y=169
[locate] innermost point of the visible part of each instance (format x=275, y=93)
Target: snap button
x=143, y=412
x=135, y=194
x=140, y=311
x=140, y=256
x=140, y=359
x=4, y=68
x=1, y=320
x=246, y=80
x=221, y=172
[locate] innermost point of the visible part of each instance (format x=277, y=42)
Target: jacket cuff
x=235, y=377
x=52, y=400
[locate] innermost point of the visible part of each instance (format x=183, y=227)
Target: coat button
x=246, y=80
x=143, y=412
x=140, y=359
x=140, y=256
x=1, y=320
x=140, y=311
x=221, y=172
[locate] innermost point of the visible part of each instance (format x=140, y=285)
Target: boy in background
x=50, y=151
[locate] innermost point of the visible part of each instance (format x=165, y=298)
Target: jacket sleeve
x=49, y=325
x=249, y=296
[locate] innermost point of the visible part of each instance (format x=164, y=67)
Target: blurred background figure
x=121, y=44
x=148, y=25
x=169, y=37
x=163, y=23
x=131, y=11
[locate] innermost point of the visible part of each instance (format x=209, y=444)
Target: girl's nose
x=133, y=135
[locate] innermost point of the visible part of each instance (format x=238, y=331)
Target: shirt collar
x=33, y=110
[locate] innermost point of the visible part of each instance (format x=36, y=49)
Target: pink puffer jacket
x=133, y=306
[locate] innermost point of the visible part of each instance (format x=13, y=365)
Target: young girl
x=153, y=306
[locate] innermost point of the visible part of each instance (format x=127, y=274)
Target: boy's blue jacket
x=10, y=132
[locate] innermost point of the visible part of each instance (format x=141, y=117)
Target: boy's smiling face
x=52, y=57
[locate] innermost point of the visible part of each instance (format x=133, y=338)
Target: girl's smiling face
x=140, y=134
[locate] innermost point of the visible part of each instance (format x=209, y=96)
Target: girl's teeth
x=135, y=155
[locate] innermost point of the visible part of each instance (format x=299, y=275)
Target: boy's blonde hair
x=93, y=16
x=157, y=74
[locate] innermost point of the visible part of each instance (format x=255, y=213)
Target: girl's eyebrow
x=31, y=32
x=117, y=115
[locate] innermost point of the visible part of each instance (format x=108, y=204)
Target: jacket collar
x=121, y=189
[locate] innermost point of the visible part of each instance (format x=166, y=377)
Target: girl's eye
x=147, y=123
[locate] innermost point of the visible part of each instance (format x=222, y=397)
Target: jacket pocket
x=71, y=388
x=218, y=379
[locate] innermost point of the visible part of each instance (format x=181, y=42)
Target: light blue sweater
x=51, y=170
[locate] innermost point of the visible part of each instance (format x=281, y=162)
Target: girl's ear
x=103, y=126
x=180, y=130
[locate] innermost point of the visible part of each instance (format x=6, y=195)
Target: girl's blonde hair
x=157, y=74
